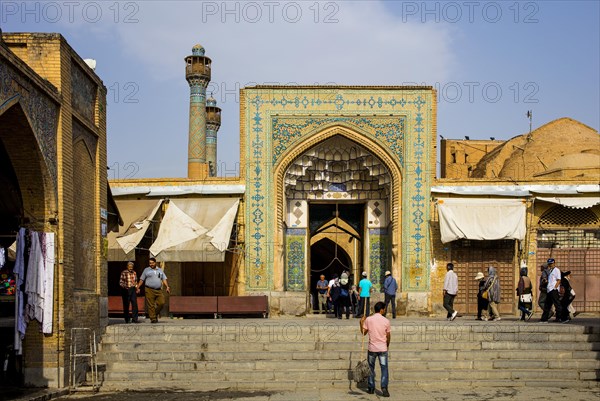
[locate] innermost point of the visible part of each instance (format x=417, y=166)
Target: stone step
x=345, y=364
x=290, y=355
x=344, y=346
x=294, y=385
x=283, y=329
x=350, y=337
x=199, y=372
x=332, y=355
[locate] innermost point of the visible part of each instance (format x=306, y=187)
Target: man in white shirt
x=552, y=297
x=450, y=291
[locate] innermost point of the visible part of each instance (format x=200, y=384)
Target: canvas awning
x=481, y=219
x=195, y=230
x=575, y=203
x=137, y=215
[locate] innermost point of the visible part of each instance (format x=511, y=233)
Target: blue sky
x=491, y=62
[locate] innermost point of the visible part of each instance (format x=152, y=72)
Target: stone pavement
x=446, y=393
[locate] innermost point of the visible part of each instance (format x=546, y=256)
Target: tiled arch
x=370, y=145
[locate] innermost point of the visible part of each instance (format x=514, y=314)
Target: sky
x=491, y=62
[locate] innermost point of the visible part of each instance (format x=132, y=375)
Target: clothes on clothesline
x=2, y=257
x=34, y=272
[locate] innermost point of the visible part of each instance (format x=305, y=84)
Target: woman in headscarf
x=568, y=295
x=492, y=285
x=482, y=303
x=524, y=292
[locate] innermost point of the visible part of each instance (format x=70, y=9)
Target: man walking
x=552, y=297
x=450, y=291
x=364, y=295
x=322, y=286
x=129, y=291
x=390, y=287
x=154, y=278
x=379, y=329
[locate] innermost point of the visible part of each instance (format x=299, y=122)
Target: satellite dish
x=91, y=63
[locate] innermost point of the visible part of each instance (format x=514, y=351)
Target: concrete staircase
x=280, y=354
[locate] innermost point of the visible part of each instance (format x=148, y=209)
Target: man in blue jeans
x=379, y=329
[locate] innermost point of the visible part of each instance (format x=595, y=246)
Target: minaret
x=213, y=123
x=197, y=73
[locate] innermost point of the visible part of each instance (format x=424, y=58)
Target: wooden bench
x=189, y=305
x=244, y=305
x=115, y=305
x=220, y=305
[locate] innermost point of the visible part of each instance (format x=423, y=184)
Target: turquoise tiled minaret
x=213, y=123
x=197, y=73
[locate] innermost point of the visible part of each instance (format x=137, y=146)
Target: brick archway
x=36, y=186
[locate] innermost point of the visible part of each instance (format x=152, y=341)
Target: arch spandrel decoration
x=265, y=208
x=40, y=109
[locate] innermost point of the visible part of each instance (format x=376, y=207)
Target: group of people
x=153, y=278
x=341, y=296
x=555, y=293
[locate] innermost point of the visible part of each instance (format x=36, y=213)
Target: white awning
x=137, y=216
x=575, y=203
x=178, y=190
x=195, y=230
x=481, y=219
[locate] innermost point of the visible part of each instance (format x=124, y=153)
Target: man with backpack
x=344, y=297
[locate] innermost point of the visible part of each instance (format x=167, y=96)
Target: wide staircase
x=282, y=354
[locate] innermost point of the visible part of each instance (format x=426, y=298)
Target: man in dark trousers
x=154, y=278
x=450, y=291
x=552, y=289
x=129, y=293
x=390, y=287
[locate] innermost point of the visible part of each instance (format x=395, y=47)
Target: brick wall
x=74, y=199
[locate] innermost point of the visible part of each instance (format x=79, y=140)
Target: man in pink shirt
x=379, y=329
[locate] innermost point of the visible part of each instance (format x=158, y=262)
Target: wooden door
x=470, y=257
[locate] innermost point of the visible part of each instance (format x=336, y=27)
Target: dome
x=198, y=50
x=211, y=102
x=576, y=160
x=526, y=156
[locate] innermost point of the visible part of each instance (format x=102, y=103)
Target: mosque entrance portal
x=338, y=208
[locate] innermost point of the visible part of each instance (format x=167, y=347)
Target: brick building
x=53, y=167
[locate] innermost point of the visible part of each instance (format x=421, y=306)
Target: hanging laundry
x=34, y=281
x=49, y=258
x=19, y=271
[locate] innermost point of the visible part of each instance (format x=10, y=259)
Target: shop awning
x=195, y=230
x=481, y=219
x=575, y=203
x=137, y=216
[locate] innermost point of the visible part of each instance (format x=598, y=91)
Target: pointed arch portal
x=338, y=206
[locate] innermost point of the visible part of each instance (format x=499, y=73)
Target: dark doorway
x=323, y=261
x=327, y=257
